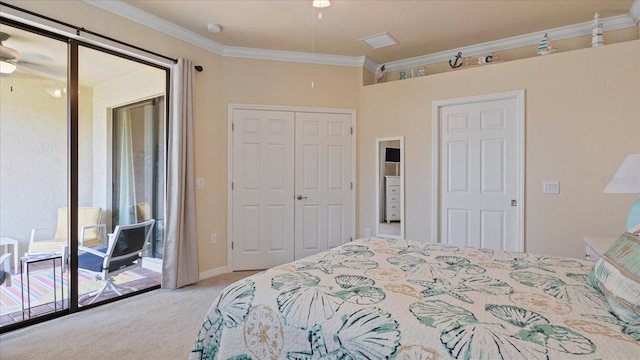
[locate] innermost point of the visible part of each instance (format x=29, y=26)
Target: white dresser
x=392, y=198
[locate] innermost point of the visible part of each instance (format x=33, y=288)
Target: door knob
x=300, y=197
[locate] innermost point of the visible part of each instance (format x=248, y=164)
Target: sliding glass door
x=33, y=177
x=121, y=146
x=82, y=175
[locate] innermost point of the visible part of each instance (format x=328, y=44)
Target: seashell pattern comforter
x=400, y=299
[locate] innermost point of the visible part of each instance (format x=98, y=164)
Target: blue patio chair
x=123, y=253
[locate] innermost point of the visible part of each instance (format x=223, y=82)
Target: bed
x=401, y=299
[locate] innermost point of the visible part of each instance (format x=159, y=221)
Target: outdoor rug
x=41, y=284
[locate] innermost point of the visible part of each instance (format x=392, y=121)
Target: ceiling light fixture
x=321, y=3
x=56, y=93
x=6, y=67
x=7, y=56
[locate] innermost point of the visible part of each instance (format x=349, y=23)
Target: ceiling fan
x=8, y=56
x=36, y=63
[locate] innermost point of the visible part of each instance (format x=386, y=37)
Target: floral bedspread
x=400, y=299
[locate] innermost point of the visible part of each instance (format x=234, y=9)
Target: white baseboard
x=156, y=265
x=214, y=272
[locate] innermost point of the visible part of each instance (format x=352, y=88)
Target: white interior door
x=263, y=204
x=323, y=182
x=480, y=182
x=276, y=156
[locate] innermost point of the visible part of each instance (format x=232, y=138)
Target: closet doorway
x=478, y=182
x=291, y=183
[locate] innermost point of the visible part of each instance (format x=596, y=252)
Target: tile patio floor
x=149, y=278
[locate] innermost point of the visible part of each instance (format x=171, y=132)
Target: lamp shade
x=627, y=179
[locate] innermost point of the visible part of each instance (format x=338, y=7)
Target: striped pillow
x=617, y=276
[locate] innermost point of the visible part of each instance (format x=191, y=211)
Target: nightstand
x=597, y=246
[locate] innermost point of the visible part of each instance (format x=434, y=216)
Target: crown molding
x=293, y=56
x=634, y=12
x=370, y=65
x=132, y=13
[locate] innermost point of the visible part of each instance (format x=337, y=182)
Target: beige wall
x=581, y=113
x=582, y=117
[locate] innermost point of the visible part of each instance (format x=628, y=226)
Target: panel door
x=263, y=204
x=479, y=175
x=323, y=182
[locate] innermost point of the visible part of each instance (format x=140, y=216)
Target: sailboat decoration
x=544, y=47
x=596, y=32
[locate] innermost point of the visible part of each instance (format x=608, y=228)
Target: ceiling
x=253, y=28
x=420, y=27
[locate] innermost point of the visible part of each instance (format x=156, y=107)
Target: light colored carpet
x=160, y=324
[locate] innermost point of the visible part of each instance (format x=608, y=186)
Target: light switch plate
x=551, y=187
x=199, y=183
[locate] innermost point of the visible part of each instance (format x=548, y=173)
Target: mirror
x=390, y=187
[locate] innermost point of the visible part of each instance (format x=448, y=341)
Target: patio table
x=26, y=261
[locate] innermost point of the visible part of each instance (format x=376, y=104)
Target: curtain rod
x=81, y=29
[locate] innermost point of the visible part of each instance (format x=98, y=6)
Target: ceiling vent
x=379, y=41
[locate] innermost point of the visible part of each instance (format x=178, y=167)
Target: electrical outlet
x=367, y=232
x=214, y=239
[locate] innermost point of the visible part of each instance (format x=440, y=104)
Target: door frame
x=519, y=96
x=231, y=109
x=380, y=185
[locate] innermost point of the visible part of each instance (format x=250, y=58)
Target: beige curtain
x=180, y=263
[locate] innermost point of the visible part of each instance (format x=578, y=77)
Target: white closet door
x=263, y=184
x=323, y=182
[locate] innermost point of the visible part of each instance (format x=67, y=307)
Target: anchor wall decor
x=455, y=64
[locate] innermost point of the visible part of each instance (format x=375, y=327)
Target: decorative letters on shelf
x=458, y=63
x=472, y=61
x=408, y=74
